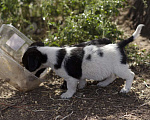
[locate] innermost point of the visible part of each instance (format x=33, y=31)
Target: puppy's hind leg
x=71, y=86
x=108, y=80
x=125, y=73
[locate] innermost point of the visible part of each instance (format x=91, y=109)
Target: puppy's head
x=33, y=58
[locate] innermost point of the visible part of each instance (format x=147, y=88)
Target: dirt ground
x=90, y=103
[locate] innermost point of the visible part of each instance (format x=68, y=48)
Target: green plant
x=137, y=56
x=82, y=21
x=15, y=12
x=64, y=21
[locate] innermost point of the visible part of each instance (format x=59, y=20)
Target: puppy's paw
x=102, y=84
x=66, y=95
x=124, y=90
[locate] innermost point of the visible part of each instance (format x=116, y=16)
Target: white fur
x=138, y=31
x=98, y=68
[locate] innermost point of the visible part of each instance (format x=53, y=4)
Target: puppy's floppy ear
x=33, y=62
x=32, y=59
x=37, y=44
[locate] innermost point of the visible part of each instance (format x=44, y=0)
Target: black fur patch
x=32, y=59
x=60, y=56
x=73, y=63
x=88, y=57
x=123, y=43
x=38, y=73
x=124, y=57
x=121, y=46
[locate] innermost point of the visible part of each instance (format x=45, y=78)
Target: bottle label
x=15, y=42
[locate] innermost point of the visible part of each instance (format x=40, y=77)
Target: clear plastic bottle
x=13, y=44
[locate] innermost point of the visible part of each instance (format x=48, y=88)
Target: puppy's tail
x=137, y=32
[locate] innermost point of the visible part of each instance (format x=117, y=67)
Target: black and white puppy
x=97, y=42
x=75, y=64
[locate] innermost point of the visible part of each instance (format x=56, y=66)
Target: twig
x=40, y=110
x=67, y=116
x=85, y=117
x=145, y=104
x=98, y=90
x=126, y=115
x=57, y=117
x=146, y=85
x=13, y=105
x=63, y=99
x=59, y=99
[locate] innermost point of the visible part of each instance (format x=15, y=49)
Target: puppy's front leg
x=71, y=86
